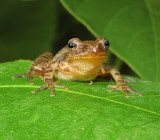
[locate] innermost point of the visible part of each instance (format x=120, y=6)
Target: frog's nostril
x=99, y=47
x=93, y=49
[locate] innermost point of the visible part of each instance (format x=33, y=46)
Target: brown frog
x=77, y=61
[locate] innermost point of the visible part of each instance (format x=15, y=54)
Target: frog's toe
x=112, y=86
x=112, y=90
x=137, y=93
x=34, y=91
x=52, y=95
x=126, y=80
x=58, y=86
x=18, y=76
x=126, y=94
x=14, y=76
x=40, y=89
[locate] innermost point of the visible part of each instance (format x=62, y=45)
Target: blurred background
x=29, y=28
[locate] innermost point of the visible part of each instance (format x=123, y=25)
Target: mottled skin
x=82, y=62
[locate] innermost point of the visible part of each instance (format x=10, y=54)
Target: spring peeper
x=77, y=61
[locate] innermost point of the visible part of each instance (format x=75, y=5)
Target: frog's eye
x=106, y=43
x=71, y=44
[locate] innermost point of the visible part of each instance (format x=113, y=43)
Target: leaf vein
x=93, y=96
x=114, y=101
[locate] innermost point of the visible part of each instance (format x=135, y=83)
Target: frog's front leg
x=48, y=78
x=121, y=84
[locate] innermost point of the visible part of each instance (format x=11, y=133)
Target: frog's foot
x=24, y=75
x=58, y=86
x=50, y=85
x=125, y=88
x=40, y=89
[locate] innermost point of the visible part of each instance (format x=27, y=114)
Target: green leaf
x=83, y=112
x=131, y=26
x=27, y=28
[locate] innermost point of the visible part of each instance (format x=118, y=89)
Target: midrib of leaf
x=155, y=38
x=81, y=93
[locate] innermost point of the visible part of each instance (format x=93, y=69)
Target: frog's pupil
x=106, y=43
x=71, y=45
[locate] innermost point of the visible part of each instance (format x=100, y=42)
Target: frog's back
x=61, y=55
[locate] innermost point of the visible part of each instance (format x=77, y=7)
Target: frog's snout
x=94, y=49
x=99, y=47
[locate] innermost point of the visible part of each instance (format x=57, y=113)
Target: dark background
x=30, y=28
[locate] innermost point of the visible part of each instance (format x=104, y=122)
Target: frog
x=77, y=61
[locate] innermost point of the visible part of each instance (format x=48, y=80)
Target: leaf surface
x=83, y=111
x=132, y=27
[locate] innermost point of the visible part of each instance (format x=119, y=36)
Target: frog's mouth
x=90, y=57
x=94, y=55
